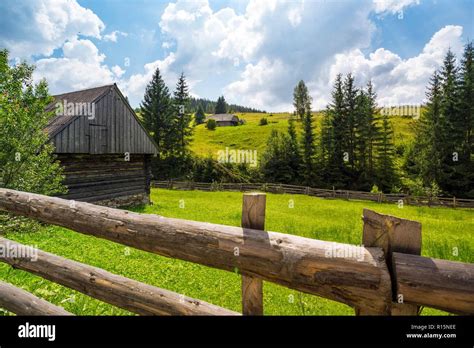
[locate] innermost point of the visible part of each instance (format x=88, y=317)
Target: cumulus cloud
x=38, y=27
x=230, y=47
x=393, y=6
x=134, y=86
x=396, y=80
x=113, y=36
x=81, y=67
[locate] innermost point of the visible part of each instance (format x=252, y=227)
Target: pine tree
x=156, y=111
x=200, y=116
x=221, y=106
x=301, y=100
x=466, y=122
x=366, y=134
x=450, y=123
x=294, y=151
x=182, y=116
x=349, y=114
x=334, y=137
x=308, y=143
x=386, y=171
x=424, y=159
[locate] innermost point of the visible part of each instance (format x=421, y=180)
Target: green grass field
x=252, y=136
x=447, y=234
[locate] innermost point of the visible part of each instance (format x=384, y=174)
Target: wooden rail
x=452, y=202
x=362, y=277
x=21, y=302
x=122, y=292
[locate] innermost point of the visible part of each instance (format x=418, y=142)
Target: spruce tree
x=182, y=115
x=294, y=156
x=450, y=123
x=334, y=136
x=465, y=125
x=200, y=116
x=221, y=106
x=308, y=144
x=349, y=115
x=157, y=113
x=387, y=177
x=424, y=158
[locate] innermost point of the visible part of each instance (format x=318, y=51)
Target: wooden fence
x=322, y=193
x=385, y=277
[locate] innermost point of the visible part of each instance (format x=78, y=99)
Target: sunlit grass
x=447, y=233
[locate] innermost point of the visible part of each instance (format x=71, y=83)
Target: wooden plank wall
x=92, y=178
x=113, y=120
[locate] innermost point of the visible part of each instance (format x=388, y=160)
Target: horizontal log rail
x=295, y=262
x=120, y=291
x=441, y=284
x=387, y=278
x=322, y=193
x=21, y=302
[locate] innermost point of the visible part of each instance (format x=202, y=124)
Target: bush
x=263, y=121
x=211, y=124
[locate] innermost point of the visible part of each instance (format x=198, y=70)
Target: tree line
x=355, y=148
x=209, y=106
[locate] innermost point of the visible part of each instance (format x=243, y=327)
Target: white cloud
x=224, y=48
x=118, y=71
x=393, y=6
x=39, y=27
x=81, y=67
x=399, y=81
x=254, y=84
x=113, y=36
x=134, y=86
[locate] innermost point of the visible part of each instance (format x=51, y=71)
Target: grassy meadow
x=447, y=234
x=252, y=136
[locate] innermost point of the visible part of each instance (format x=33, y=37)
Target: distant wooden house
x=223, y=120
x=102, y=146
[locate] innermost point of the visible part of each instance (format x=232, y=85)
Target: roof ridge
x=85, y=89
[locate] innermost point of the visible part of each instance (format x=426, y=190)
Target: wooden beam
x=119, y=291
x=392, y=234
x=253, y=217
x=441, y=284
x=22, y=302
x=292, y=261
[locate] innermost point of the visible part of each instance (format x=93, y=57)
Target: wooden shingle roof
x=59, y=122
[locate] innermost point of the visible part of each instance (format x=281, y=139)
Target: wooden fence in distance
x=385, y=277
x=322, y=193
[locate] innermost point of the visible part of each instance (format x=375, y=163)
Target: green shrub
x=211, y=124
x=263, y=121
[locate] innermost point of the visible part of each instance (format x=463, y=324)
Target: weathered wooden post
x=392, y=234
x=253, y=216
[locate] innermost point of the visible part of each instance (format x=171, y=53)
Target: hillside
x=252, y=136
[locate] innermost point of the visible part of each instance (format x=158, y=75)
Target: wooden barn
x=102, y=146
x=224, y=120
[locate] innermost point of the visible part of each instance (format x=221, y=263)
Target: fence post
x=253, y=216
x=392, y=234
x=454, y=202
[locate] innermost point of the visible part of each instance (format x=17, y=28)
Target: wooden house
x=103, y=148
x=224, y=120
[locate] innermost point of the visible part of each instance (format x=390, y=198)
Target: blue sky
x=253, y=52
